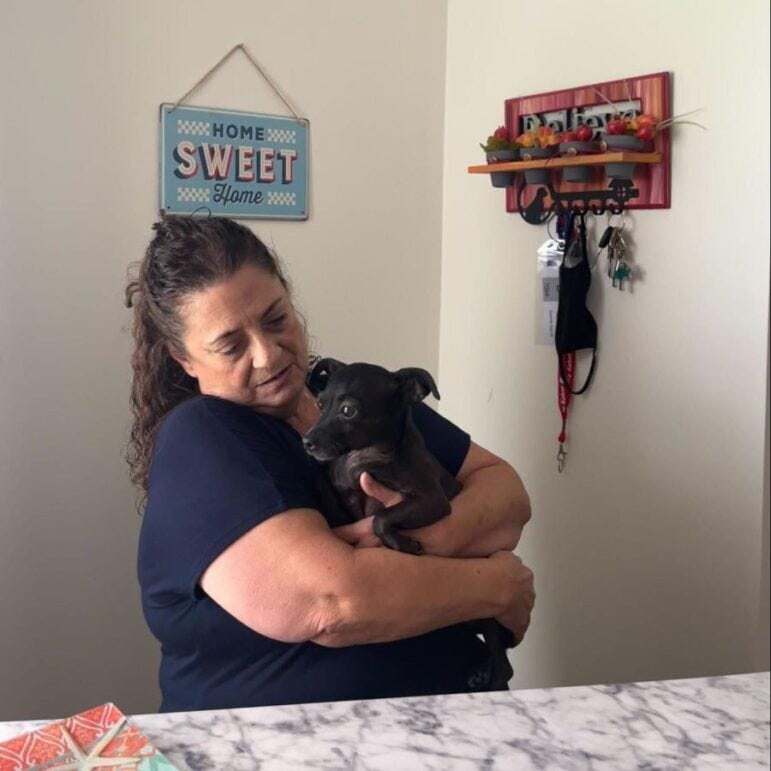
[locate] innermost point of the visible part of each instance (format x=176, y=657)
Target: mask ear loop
x=599, y=251
x=564, y=377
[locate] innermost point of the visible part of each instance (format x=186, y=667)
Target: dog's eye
x=348, y=411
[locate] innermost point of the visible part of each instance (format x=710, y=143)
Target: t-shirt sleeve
x=213, y=478
x=448, y=442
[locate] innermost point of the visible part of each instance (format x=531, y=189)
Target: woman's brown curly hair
x=187, y=254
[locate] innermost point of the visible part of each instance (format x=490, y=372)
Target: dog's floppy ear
x=415, y=384
x=319, y=374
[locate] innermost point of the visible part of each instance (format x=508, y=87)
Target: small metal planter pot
x=611, y=142
x=502, y=178
x=577, y=173
x=537, y=176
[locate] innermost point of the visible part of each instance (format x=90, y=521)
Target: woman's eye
x=348, y=411
x=233, y=350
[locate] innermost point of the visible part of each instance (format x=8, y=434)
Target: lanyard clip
x=561, y=457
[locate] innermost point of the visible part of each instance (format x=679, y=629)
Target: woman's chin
x=281, y=400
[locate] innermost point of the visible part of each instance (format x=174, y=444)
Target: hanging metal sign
x=235, y=164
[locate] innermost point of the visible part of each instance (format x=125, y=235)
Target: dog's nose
x=308, y=444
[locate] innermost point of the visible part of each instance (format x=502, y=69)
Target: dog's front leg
x=410, y=513
x=372, y=506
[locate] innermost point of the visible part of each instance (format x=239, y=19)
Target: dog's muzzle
x=317, y=452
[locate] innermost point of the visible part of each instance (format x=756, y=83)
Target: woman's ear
x=181, y=359
x=415, y=384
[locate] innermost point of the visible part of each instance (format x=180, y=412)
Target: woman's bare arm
x=489, y=513
x=292, y=579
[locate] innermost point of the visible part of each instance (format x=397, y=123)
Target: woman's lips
x=277, y=377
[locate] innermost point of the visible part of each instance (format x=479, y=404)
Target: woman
x=254, y=598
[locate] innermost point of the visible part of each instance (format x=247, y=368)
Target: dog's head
x=362, y=405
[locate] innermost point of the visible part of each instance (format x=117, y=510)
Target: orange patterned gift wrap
x=101, y=737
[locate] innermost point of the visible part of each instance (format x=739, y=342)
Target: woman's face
x=239, y=334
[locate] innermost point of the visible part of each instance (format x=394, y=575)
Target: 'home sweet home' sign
x=233, y=164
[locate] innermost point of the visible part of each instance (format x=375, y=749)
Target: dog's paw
x=413, y=547
x=402, y=543
x=478, y=680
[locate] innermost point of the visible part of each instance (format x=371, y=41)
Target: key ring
x=617, y=227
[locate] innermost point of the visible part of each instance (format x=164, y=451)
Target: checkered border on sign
x=194, y=127
x=282, y=199
x=287, y=136
x=193, y=194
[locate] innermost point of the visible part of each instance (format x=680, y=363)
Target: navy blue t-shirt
x=218, y=470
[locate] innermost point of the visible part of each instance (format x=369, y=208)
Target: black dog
x=366, y=425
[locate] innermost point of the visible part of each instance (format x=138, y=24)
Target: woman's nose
x=267, y=356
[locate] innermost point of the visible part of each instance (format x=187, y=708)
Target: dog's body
x=409, y=469
x=366, y=425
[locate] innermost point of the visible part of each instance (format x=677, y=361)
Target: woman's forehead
x=245, y=296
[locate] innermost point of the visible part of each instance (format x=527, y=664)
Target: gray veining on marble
x=703, y=723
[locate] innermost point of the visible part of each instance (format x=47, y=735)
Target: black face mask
x=576, y=328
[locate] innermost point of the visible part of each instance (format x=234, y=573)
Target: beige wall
x=81, y=85
x=647, y=551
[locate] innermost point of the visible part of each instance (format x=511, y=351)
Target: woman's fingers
x=374, y=489
x=358, y=534
x=519, y=579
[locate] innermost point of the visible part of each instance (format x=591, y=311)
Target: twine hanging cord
x=213, y=69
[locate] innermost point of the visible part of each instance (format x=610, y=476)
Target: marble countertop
x=715, y=722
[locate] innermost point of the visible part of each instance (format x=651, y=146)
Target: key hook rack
x=612, y=200
x=537, y=199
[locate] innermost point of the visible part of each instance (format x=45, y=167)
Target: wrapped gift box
x=101, y=737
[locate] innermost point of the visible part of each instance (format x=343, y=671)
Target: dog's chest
x=345, y=471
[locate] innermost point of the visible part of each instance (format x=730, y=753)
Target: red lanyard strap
x=565, y=377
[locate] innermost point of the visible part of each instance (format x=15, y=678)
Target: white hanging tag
x=547, y=299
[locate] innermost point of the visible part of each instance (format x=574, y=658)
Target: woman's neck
x=306, y=415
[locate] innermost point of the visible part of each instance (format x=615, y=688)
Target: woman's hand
x=436, y=538
x=359, y=534
x=521, y=593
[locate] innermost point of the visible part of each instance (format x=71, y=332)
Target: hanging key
x=619, y=250
x=623, y=273
x=612, y=244
x=605, y=240
x=611, y=257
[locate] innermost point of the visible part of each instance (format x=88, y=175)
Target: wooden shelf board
x=556, y=162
